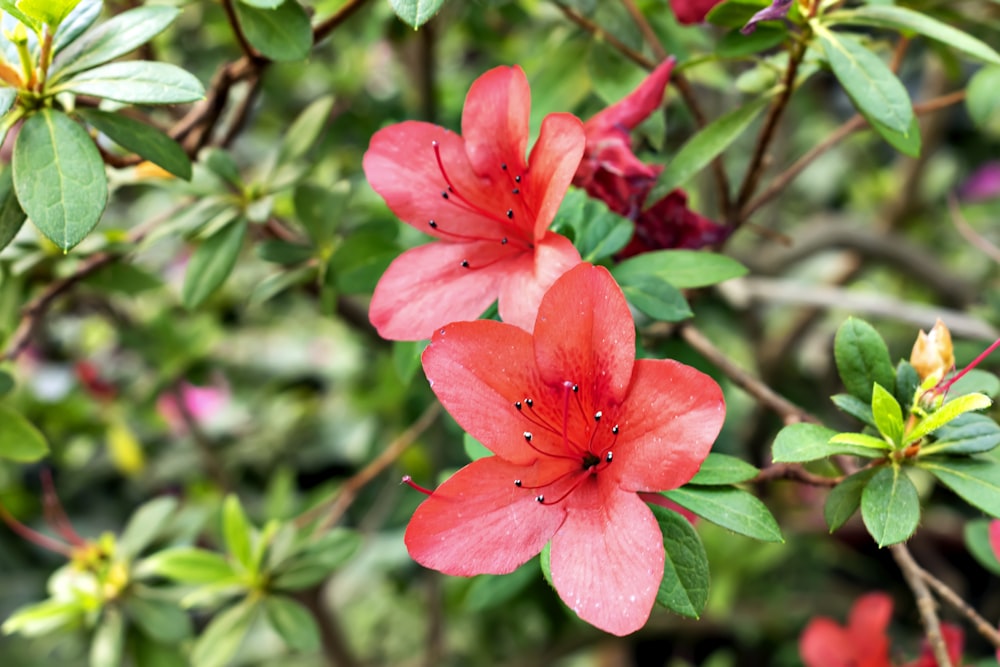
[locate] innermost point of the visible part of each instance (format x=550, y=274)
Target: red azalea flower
x=578, y=427
x=610, y=171
x=954, y=640
x=489, y=209
x=692, y=11
x=995, y=537
x=669, y=223
x=863, y=643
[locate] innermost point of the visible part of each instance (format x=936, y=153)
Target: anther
x=608, y=457
x=540, y=499
x=503, y=241
x=465, y=263
x=503, y=165
x=517, y=482
x=527, y=436
x=433, y=224
x=517, y=179
x=575, y=388
x=598, y=415
x=510, y=213
x=515, y=191
x=614, y=429
x=444, y=194
x=530, y=403
x=517, y=404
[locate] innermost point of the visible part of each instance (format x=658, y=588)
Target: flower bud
x=933, y=353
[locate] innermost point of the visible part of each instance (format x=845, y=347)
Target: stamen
x=517, y=404
x=433, y=224
x=54, y=512
x=530, y=403
x=608, y=457
x=517, y=178
x=527, y=436
x=413, y=485
x=503, y=165
x=597, y=416
x=614, y=429
x=503, y=241
x=510, y=213
x=465, y=263
x=515, y=191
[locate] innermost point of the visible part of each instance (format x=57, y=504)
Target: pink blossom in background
x=200, y=402
x=983, y=184
x=692, y=11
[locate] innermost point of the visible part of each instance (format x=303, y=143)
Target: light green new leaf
x=415, y=13
x=29, y=21
x=262, y=4
x=136, y=82
x=145, y=524
x=890, y=506
x=115, y=37
x=684, y=587
x=293, y=622
x=222, y=638
x=108, y=644
x=862, y=359
x=237, y=531
x=141, y=139
x=845, y=498
x=304, y=132
x=50, y=12
x=159, y=619
x=681, y=268
x=948, y=412
x=19, y=440
x=78, y=20
x=705, y=146
x=283, y=33
x=976, y=480
x=188, y=565
x=888, y=415
x=730, y=508
x=869, y=82
x=12, y=217
x=44, y=618
x=901, y=18
x=865, y=445
x=59, y=177
x=212, y=263
x=721, y=469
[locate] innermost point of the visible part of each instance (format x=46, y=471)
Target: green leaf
x=237, y=531
x=657, y=298
x=293, y=622
x=735, y=13
x=730, y=508
x=734, y=44
x=275, y=284
x=115, y=37
x=888, y=415
x=189, y=565
x=907, y=383
x=948, y=412
x=862, y=444
x=907, y=143
x=967, y=434
x=489, y=591
x=705, y=146
x=50, y=12
x=474, y=449
x=128, y=279
x=317, y=560
x=141, y=139
x=6, y=383
x=890, y=506
x=869, y=82
x=108, y=643
x=19, y=440
x=222, y=638
x=801, y=442
x=78, y=20
x=361, y=260
x=975, y=480
x=135, y=82
x=29, y=21
x=845, y=498
x=545, y=563
x=160, y=620
x=262, y=4
x=321, y=210
x=855, y=407
x=44, y=618
x=304, y=132
x=145, y=524
x=977, y=539
x=901, y=18
x=283, y=33
x=281, y=252
x=212, y=263
x=221, y=163
x=720, y=469
x=862, y=359
x=596, y=231
x=59, y=177
x=11, y=215
x=982, y=101
x=681, y=268
x=415, y=13
x=684, y=587
x=976, y=381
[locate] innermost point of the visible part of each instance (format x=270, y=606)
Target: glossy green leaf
x=657, y=298
x=415, y=13
x=12, y=217
x=982, y=101
x=730, y=508
x=188, y=565
x=141, y=139
x=845, y=498
x=121, y=34
x=50, y=12
x=907, y=383
x=863, y=444
x=237, y=531
x=801, y=442
x=144, y=525
x=78, y=20
x=283, y=33
x=304, y=132
x=127, y=279
x=489, y=591
x=734, y=44
x=596, y=231
x=684, y=587
x=890, y=506
x=317, y=560
x=908, y=143
x=869, y=82
x=44, y=618
x=977, y=539
x=720, y=469
x=293, y=622
x=967, y=434
x=734, y=13
x=108, y=642
x=19, y=440
x=681, y=268
x=159, y=619
x=855, y=407
x=862, y=359
x=888, y=415
x=705, y=146
x=212, y=263
x=976, y=381
x=136, y=82
x=947, y=412
x=224, y=635
x=901, y=18
x=59, y=177
x=975, y=480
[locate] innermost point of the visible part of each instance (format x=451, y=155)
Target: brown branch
x=334, y=508
x=234, y=23
x=331, y=635
x=925, y=602
x=968, y=233
x=328, y=25
x=984, y=627
x=601, y=35
x=795, y=473
x=788, y=411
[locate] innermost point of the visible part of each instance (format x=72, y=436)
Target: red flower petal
x=427, y=286
x=867, y=624
x=554, y=160
x=479, y=522
x=607, y=559
x=495, y=121
x=636, y=106
x=825, y=644
x=671, y=417
x=530, y=276
x=585, y=334
x=692, y=11
x=995, y=537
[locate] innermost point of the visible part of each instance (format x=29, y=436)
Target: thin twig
x=335, y=645
x=788, y=411
x=968, y=233
x=334, y=508
x=601, y=35
x=329, y=24
x=925, y=602
x=984, y=627
x=796, y=473
x=234, y=23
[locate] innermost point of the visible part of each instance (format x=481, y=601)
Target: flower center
x=591, y=458
x=509, y=233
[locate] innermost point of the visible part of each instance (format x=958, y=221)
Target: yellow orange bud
x=147, y=170
x=933, y=353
